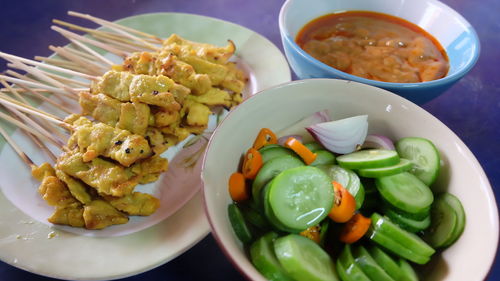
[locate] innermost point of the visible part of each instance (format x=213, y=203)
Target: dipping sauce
x=374, y=46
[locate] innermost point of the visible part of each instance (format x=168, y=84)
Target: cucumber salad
x=339, y=204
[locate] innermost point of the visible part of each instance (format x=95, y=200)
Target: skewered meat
x=71, y=215
x=106, y=177
x=99, y=139
x=77, y=189
x=99, y=214
x=135, y=204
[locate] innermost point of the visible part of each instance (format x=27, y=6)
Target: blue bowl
x=455, y=34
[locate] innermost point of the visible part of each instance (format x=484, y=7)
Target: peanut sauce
x=374, y=46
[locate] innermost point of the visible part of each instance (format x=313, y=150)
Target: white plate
x=27, y=241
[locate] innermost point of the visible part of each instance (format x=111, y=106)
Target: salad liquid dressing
x=374, y=46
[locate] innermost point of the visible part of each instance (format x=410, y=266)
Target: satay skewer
x=48, y=66
x=91, y=67
x=92, y=52
x=59, y=78
x=69, y=34
x=109, y=24
x=66, y=64
x=34, y=84
x=31, y=110
x=16, y=148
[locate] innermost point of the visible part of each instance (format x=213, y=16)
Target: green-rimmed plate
x=27, y=241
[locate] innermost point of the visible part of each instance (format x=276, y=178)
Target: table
x=471, y=108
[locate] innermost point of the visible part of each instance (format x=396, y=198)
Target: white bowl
x=470, y=258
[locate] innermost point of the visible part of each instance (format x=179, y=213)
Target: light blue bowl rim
x=287, y=38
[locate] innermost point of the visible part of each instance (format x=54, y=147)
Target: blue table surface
x=471, y=108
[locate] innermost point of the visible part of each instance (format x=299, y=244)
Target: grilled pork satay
x=154, y=90
x=209, y=52
x=99, y=139
x=109, y=178
x=131, y=116
x=100, y=214
x=135, y=204
x=106, y=177
x=167, y=64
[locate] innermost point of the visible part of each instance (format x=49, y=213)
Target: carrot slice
x=252, y=163
x=238, y=188
x=265, y=137
x=344, y=206
x=355, y=228
x=301, y=150
x=312, y=233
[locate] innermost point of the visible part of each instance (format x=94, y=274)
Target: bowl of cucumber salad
x=326, y=179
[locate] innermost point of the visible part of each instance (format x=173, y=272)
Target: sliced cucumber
x=445, y=227
x=264, y=259
x=274, y=152
x=456, y=205
x=301, y=197
x=370, y=158
x=303, y=259
x=399, y=241
x=424, y=155
x=409, y=273
x=269, y=146
x=407, y=223
x=347, y=263
x=239, y=224
x=253, y=217
x=270, y=169
x=271, y=217
x=314, y=146
x=347, y=179
x=368, y=265
x=403, y=166
x=386, y=262
x=324, y=157
x=405, y=192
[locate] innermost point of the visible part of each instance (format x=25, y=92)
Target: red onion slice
x=299, y=127
x=341, y=136
x=378, y=141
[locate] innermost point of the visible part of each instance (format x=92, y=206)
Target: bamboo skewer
x=48, y=66
x=34, y=84
x=42, y=76
x=45, y=125
x=69, y=34
x=111, y=24
x=85, y=64
x=59, y=78
x=16, y=148
x=68, y=65
x=21, y=125
x=31, y=110
x=94, y=53
x=38, y=90
x=40, y=96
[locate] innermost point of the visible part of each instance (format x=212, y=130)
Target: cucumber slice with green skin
x=394, y=247
x=341, y=271
x=264, y=259
x=271, y=217
x=274, y=152
x=370, y=158
x=269, y=146
x=347, y=179
x=253, y=217
x=456, y=205
x=404, y=165
x=270, y=169
x=424, y=155
x=409, y=273
x=444, y=222
x=347, y=263
x=368, y=265
x=303, y=259
x=386, y=262
x=324, y=157
x=239, y=224
x=314, y=146
x=301, y=197
x=406, y=223
x=405, y=192
x=399, y=241
x=323, y=232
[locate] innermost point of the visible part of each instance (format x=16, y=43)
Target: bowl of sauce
x=417, y=49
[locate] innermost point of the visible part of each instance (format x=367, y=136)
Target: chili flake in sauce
x=374, y=46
